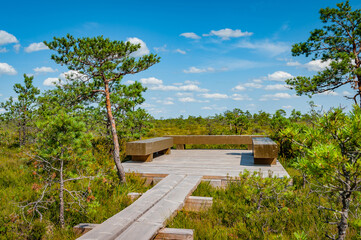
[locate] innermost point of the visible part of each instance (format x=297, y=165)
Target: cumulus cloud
x=180, y=51
x=17, y=47
x=3, y=50
x=44, y=70
x=293, y=64
x=206, y=108
x=34, y=47
x=157, y=84
x=253, y=85
x=227, y=33
x=6, y=38
x=239, y=88
x=184, y=94
x=143, y=50
x=165, y=102
x=241, y=97
x=279, y=76
x=244, y=86
x=51, y=82
x=279, y=87
x=329, y=93
x=187, y=99
x=198, y=70
x=7, y=69
x=347, y=93
x=271, y=48
x=191, y=35
x=151, y=81
x=276, y=96
x=317, y=65
x=161, y=49
x=215, y=96
x=64, y=77
x=287, y=107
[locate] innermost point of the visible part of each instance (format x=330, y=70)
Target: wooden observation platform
x=177, y=174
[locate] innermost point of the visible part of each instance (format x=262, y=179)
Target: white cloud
x=206, y=108
x=191, y=82
x=161, y=49
x=346, y=93
x=191, y=35
x=151, y=81
x=287, y=107
x=3, y=50
x=243, y=87
x=187, y=99
x=227, y=33
x=72, y=75
x=239, y=88
x=180, y=51
x=51, y=82
x=293, y=64
x=6, y=38
x=279, y=76
x=214, y=95
x=64, y=77
x=165, y=102
x=317, y=65
x=184, y=94
x=279, y=87
x=266, y=46
x=44, y=70
x=329, y=93
x=34, y=47
x=129, y=82
x=198, y=70
x=276, y=96
x=7, y=69
x=157, y=84
x=143, y=50
x=17, y=47
x=241, y=97
x=252, y=85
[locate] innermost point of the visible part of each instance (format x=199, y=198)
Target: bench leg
x=249, y=146
x=143, y=158
x=181, y=146
x=166, y=151
x=270, y=161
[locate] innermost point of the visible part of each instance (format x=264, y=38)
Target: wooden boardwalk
x=210, y=164
x=181, y=171
x=147, y=215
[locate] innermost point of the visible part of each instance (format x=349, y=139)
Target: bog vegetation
x=61, y=150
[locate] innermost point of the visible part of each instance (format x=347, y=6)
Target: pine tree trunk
x=61, y=196
x=346, y=199
x=116, y=152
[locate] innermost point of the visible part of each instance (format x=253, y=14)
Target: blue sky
x=215, y=55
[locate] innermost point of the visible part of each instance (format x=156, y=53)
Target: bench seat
x=265, y=151
x=143, y=150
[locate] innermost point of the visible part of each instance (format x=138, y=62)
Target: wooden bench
x=143, y=150
x=265, y=151
x=182, y=140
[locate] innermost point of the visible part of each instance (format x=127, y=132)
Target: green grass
x=238, y=212
x=16, y=187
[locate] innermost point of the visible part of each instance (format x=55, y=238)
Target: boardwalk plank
x=147, y=226
x=115, y=225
